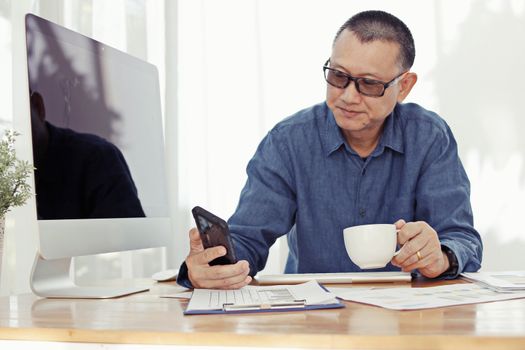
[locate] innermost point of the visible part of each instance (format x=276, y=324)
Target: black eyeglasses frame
x=350, y=78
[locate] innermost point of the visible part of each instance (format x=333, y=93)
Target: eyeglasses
x=365, y=86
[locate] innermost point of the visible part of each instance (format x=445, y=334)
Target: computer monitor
x=98, y=150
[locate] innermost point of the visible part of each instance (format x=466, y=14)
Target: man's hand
x=202, y=275
x=420, y=249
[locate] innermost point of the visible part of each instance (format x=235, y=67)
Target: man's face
x=358, y=115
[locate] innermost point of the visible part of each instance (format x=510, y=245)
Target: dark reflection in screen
x=78, y=175
x=97, y=133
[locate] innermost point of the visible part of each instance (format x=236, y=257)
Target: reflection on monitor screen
x=98, y=150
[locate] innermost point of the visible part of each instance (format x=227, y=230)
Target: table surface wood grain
x=146, y=318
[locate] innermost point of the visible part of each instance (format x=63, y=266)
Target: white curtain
x=230, y=69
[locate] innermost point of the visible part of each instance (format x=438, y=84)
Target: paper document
x=502, y=281
x=424, y=298
x=309, y=295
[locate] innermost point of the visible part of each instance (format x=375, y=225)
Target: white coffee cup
x=371, y=246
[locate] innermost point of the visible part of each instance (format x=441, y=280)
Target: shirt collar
x=392, y=136
x=332, y=137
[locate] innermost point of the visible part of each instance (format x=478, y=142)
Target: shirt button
x=362, y=212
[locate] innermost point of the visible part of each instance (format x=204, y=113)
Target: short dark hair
x=379, y=25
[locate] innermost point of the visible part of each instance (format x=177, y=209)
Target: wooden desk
x=147, y=319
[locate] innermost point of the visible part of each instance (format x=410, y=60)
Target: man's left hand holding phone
x=212, y=263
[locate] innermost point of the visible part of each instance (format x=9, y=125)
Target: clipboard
x=208, y=301
x=232, y=309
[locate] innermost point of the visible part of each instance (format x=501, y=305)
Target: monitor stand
x=52, y=279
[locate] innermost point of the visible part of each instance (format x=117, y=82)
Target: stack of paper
x=503, y=281
x=305, y=296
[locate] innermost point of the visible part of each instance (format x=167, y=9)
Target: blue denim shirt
x=305, y=181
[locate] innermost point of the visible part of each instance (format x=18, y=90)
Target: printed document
x=258, y=297
x=424, y=298
x=501, y=281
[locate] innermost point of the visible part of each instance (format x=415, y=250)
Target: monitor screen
x=98, y=145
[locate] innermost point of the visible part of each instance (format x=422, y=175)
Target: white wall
x=231, y=69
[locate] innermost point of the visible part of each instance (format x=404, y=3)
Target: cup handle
x=397, y=252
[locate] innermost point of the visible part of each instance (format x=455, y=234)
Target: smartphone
x=214, y=232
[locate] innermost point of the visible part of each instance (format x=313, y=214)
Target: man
x=361, y=157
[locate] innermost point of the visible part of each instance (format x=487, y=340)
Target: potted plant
x=14, y=189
